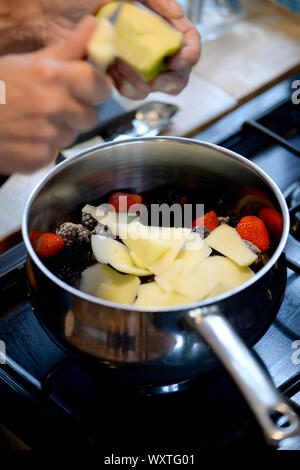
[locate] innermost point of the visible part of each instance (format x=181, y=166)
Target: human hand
x=50, y=96
x=132, y=86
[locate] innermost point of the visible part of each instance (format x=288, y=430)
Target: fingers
x=25, y=157
x=170, y=9
x=85, y=82
x=128, y=83
x=75, y=47
x=132, y=86
x=190, y=53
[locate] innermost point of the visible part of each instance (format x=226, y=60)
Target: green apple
x=102, y=48
x=227, y=241
x=141, y=38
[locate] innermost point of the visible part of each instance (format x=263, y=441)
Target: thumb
x=75, y=47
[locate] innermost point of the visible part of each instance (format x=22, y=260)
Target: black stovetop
x=49, y=400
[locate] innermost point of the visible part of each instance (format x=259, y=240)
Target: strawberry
x=253, y=229
x=273, y=220
x=49, y=244
x=183, y=200
x=33, y=237
x=209, y=220
x=123, y=205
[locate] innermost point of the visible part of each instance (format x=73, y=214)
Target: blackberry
x=88, y=221
x=73, y=233
x=79, y=257
x=69, y=274
x=103, y=230
x=234, y=220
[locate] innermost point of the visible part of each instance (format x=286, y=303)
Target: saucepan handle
x=258, y=390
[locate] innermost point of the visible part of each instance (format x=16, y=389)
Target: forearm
x=21, y=26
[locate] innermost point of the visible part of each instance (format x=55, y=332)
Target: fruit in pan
x=109, y=251
x=228, y=242
x=253, y=229
x=273, y=220
x=193, y=252
x=172, y=298
x=118, y=201
x=184, y=281
x=142, y=39
x=144, y=243
x=209, y=220
x=224, y=272
x=147, y=293
x=96, y=212
x=49, y=244
x=114, y=219
x=156, y=248
x=104, y=282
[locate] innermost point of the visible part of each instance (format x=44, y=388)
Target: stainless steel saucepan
x=169, y=345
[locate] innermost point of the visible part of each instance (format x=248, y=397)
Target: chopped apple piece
x=109, y=251
x=156, y=248
x=170, y=299
x=137, y=261
x=180, y=279
x=225, y=272
x=113, y=220
x=143, y=242
x=91, y=278
x=147, y=293
x=194, y=252
x=104, y=282
x=97, y=212
x=227, y=241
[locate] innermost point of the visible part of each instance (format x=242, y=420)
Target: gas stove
x=49, y=400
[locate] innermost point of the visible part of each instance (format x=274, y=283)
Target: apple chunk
x=171, y=299
x=225, y=272
x=109, y=251
x=227, y=241
x=194, y=252
x=156, y=248
x=180, y=279
x=147, y=293
x=104, y=282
